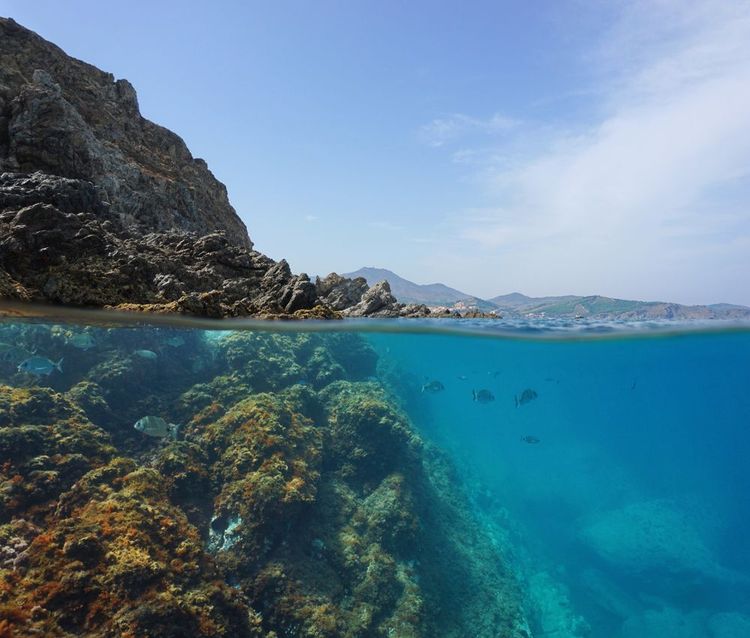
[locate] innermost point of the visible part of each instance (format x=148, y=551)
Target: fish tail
x=58, y=365
x=473, y=395
x=422, y=390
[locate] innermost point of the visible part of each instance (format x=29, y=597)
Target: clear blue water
x=636, y=499
x=619, y=492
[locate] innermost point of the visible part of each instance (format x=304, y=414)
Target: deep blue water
x=634, y=503
x=619, y=490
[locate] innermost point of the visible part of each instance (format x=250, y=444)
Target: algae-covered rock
x=46, y=444
x=295, y=500
x=119, y=560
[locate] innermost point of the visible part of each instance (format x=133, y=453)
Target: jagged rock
x=67, y=118
x=339, y=292
x=100, y=207
x=376, y=302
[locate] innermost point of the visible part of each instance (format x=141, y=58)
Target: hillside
x=429, y=294
x=518, y=304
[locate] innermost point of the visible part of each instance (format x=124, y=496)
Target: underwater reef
x=296, y=498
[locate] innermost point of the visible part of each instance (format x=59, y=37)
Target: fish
x=82, y=341
x=146, y=354
x=157, y=427
x=527, y=396
x=175, y=342
x=482, y=396
x=40, y=366
x=530, y=439
x=432, y=387
x=462, y=377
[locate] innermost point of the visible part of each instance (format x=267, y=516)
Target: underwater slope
x=297, y=499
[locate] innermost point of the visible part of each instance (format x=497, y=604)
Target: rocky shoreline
x=101, y=208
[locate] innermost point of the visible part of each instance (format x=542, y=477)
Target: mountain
x=429, y=294
x=610, y=308
x=518, y=304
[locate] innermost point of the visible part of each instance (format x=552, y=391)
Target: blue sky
x=550, y=147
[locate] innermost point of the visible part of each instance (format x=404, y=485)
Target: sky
x=553, y=147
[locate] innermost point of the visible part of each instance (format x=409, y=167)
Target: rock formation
x=101, y=207
x=65, y=117
x=298, y=499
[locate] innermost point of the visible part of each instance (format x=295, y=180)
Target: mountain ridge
x=519, y=304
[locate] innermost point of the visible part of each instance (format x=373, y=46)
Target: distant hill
x=429, y=294
x=518, y=304
x=610, y=308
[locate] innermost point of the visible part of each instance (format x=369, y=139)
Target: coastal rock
x=100, y=207
x=376, y=302
x=67, y=118
x=340, y=292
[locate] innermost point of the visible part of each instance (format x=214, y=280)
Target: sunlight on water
x=593, y=487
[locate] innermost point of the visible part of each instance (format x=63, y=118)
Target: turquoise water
x=635, y=499
x=605, y=467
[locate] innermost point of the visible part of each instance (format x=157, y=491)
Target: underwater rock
x=553, y=609
x=298, y=499
x=665, y=622
x=729, y=625
x=119, y=560
x=46, y=444
x=653, y=536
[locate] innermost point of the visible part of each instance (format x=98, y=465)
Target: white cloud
x=454, y=127
x=311, y=218
x=640, y=198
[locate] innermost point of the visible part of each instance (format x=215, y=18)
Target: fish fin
x=58, y=365
x=473, y=395
x=422, y=390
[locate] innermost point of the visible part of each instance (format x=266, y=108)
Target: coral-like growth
x=119, y=560
x=295, y=500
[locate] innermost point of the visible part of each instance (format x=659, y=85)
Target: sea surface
x=607, y=464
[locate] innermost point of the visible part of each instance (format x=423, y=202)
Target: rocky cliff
x=64, y=117
x=101, y=207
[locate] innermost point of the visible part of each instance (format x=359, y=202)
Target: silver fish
x=40, y=366
x=146, y=354
x=432, y=387
x=82, y=341
x=527, y=396
x=157, y=427
x=482, y=396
